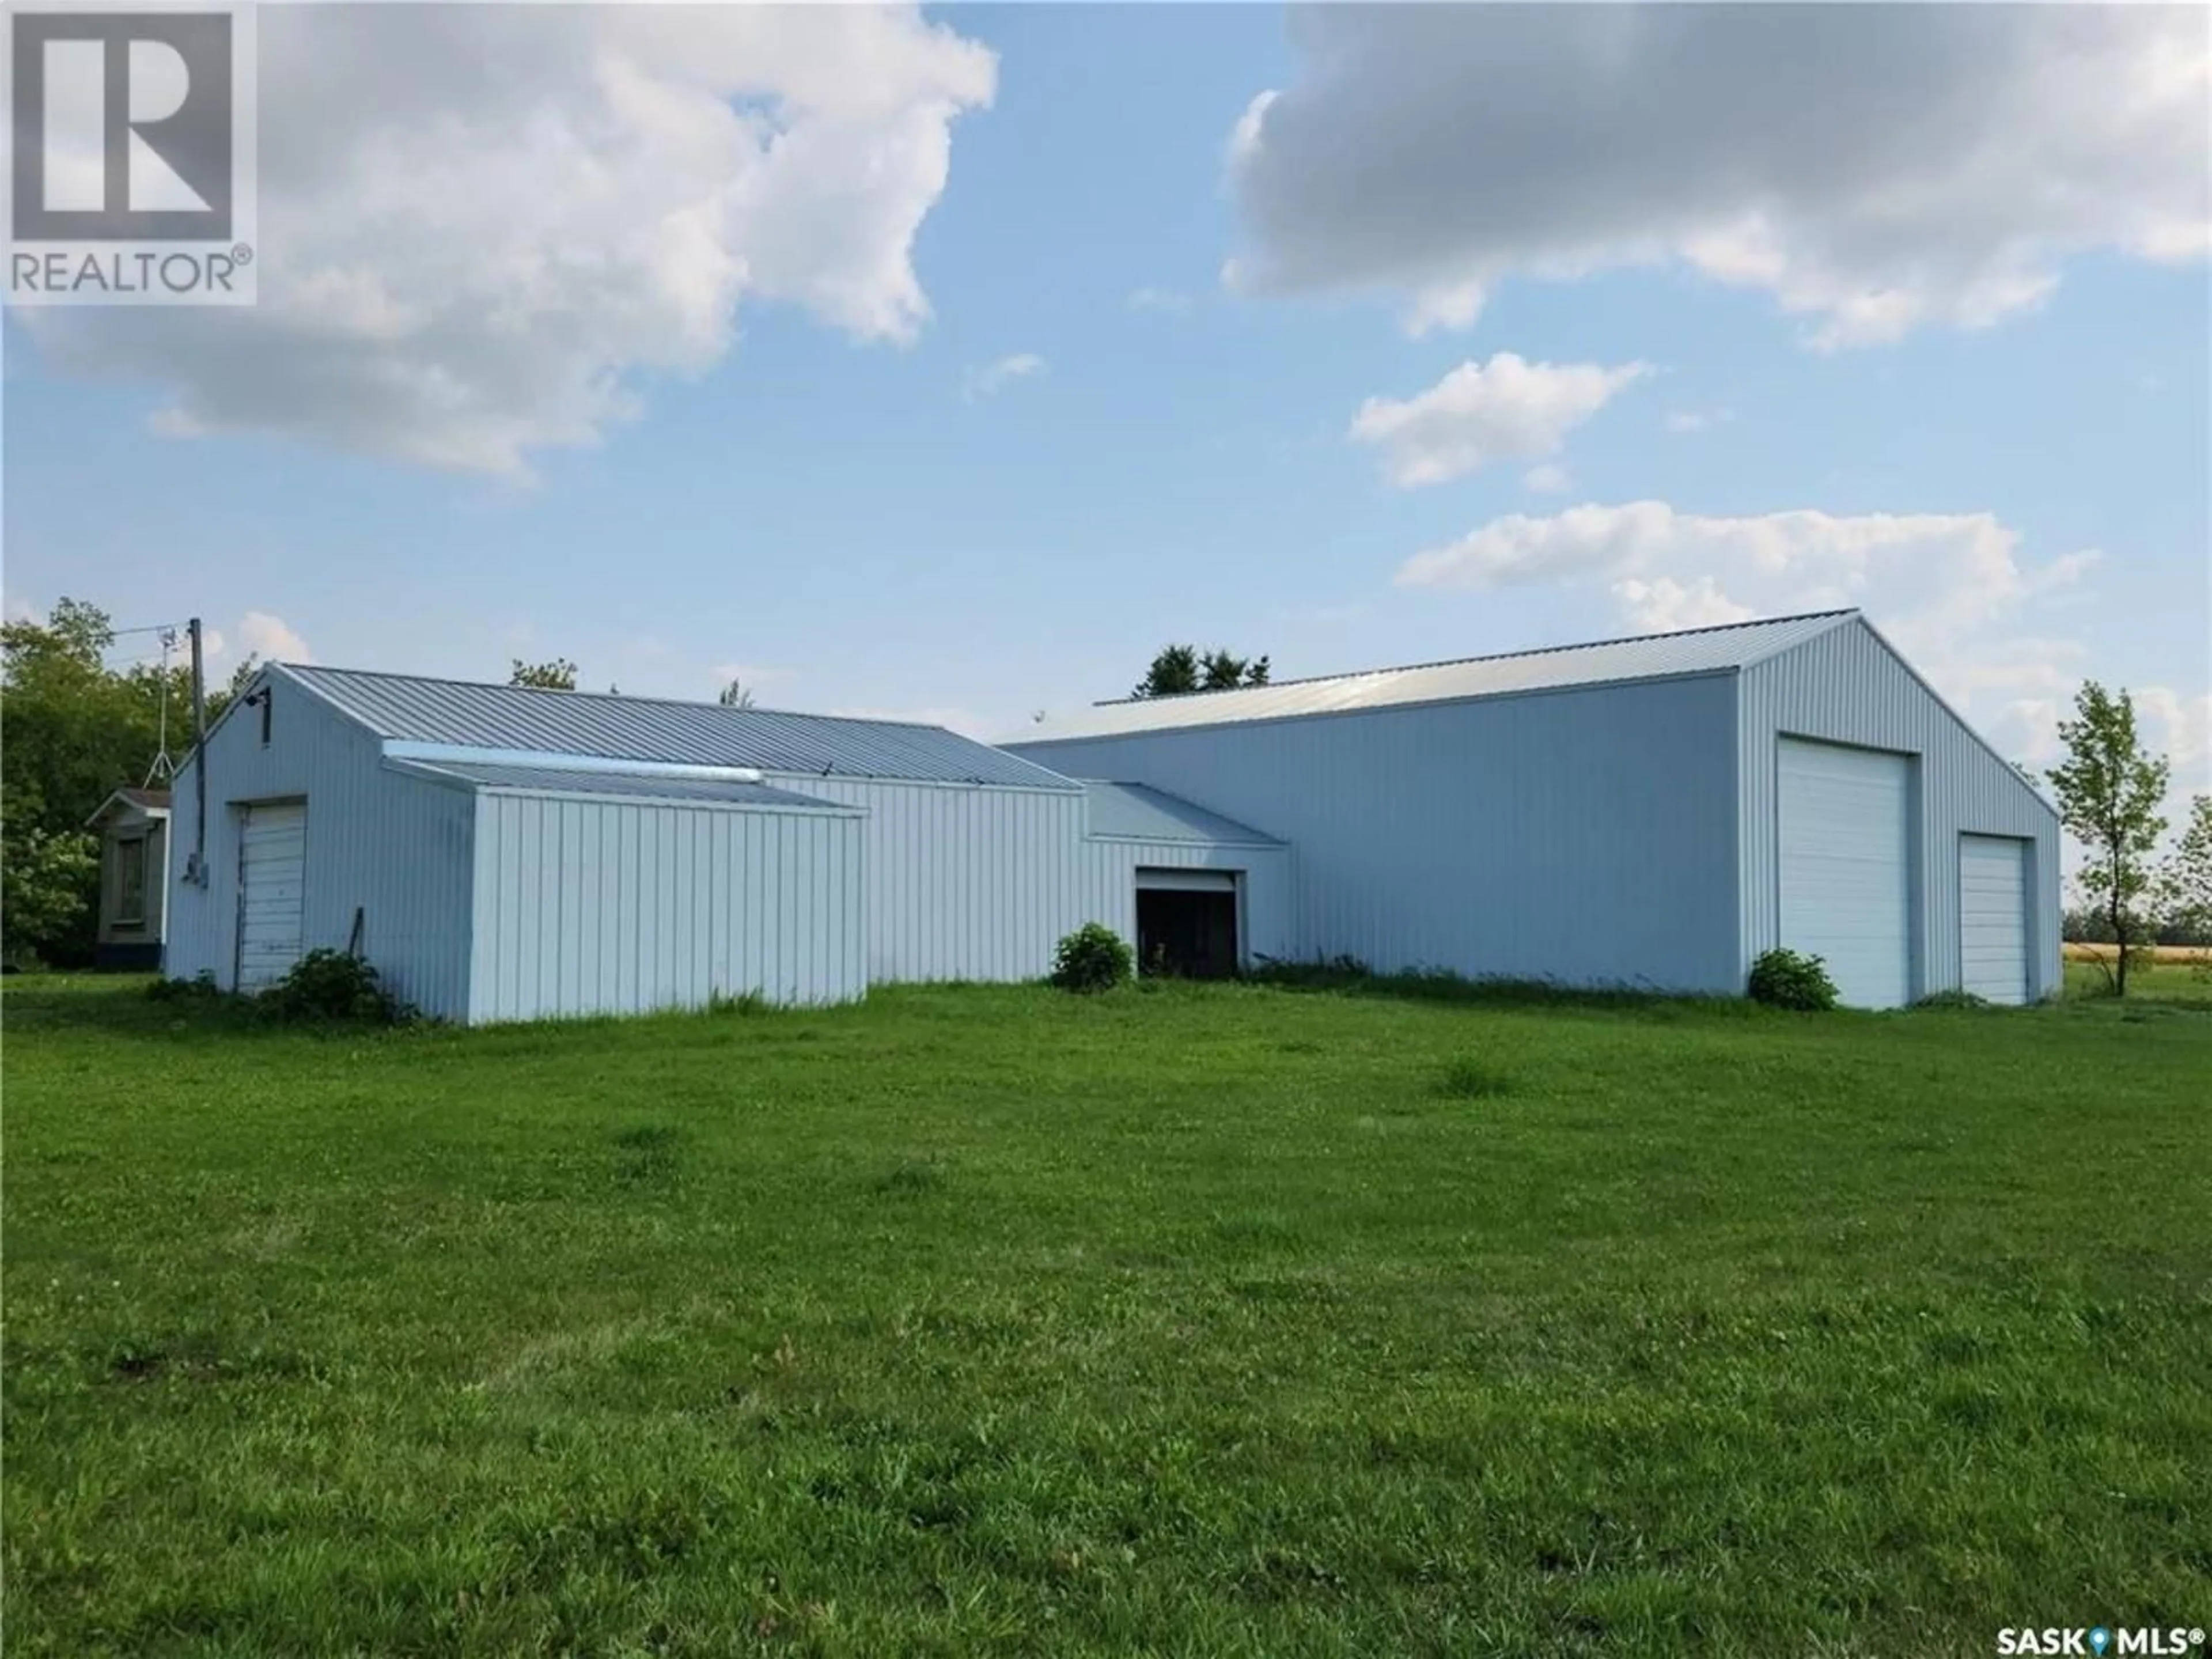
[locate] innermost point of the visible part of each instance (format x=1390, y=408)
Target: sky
x=945, y=363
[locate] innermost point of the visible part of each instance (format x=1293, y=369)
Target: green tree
x=1222, y=670
x=75, y=731
x=736, y=694
x=2185, y=883
x=1180, y=670
x=558, y=675
x=2109, y=790
x=1174, y=673
x=47, y=884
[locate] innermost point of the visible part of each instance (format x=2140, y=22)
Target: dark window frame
x=132, y=851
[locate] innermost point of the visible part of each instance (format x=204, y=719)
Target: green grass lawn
x=1199, y=1320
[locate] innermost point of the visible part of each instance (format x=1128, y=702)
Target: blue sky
x=841, y=499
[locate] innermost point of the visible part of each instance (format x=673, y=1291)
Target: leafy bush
x=198, y=990
x=1786, y=979
x=330, y=985
x=1953, y=999
x=1094, y=958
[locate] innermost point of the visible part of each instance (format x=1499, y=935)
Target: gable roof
x=522, y=721
x=154, y=802
x=1137, y=812
x=1651, y=656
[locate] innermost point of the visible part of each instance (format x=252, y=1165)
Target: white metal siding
x=1586, y=836
x=394, y=847
x=273, y=851
x=965, y=881
x=1846, y=686
x=597, y=906
x=1842, y=825
x=973, y=882
x=1993, y=930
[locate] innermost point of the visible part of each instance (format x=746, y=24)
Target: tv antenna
x=163, y=767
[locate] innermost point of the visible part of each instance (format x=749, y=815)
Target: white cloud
x=2178, y=725
x=992, y=378
x=272, y=639
x=1506, y=408
x=1549, y=479
x=1873, y=168
x=1687, y=421
x=1450, y=308
x=459, y=267
x=1162, y=300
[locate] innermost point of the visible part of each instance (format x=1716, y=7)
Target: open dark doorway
x=1188, y=932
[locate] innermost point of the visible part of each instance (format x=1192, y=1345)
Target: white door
x=1847, y=867
x=272, y=861
x=1993, y=917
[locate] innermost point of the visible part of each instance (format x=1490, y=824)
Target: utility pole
x=199, y=871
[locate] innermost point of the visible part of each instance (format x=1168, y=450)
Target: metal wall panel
x=596, y=906
x=397, y=848
x=973, y=883
x=1847, y=686
x=965, y=882
x=1586, y=835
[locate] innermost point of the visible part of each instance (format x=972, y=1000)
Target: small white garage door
x=1847, y=867
x=1993, y=917
x=272, y=860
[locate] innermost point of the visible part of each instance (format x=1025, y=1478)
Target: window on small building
x=130, y=881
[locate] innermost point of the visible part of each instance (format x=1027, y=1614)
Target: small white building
x=133, y=828
x=501, y=853
x=1649, y=812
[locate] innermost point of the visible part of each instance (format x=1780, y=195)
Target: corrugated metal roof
x=406, y=708
x=1139, y=813
x=1702, y=650
x=562, y=781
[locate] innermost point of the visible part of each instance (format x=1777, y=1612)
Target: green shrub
x=1954, y=999
x=198, y=990
x=1786, y=979
x=330, y=985
x=1094, y=958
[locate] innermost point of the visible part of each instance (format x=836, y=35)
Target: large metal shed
x=1649, y=812
x=503, y=852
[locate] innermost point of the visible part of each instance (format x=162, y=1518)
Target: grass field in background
x=1200, y=1319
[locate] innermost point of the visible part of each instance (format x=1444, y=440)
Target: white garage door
x=272, y=860
x=1847, y=867
x=1993, y=917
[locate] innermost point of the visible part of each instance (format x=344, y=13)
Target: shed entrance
x=1993, y=911
x=1846, y=838
x=272, y=851
x=1186, y=923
